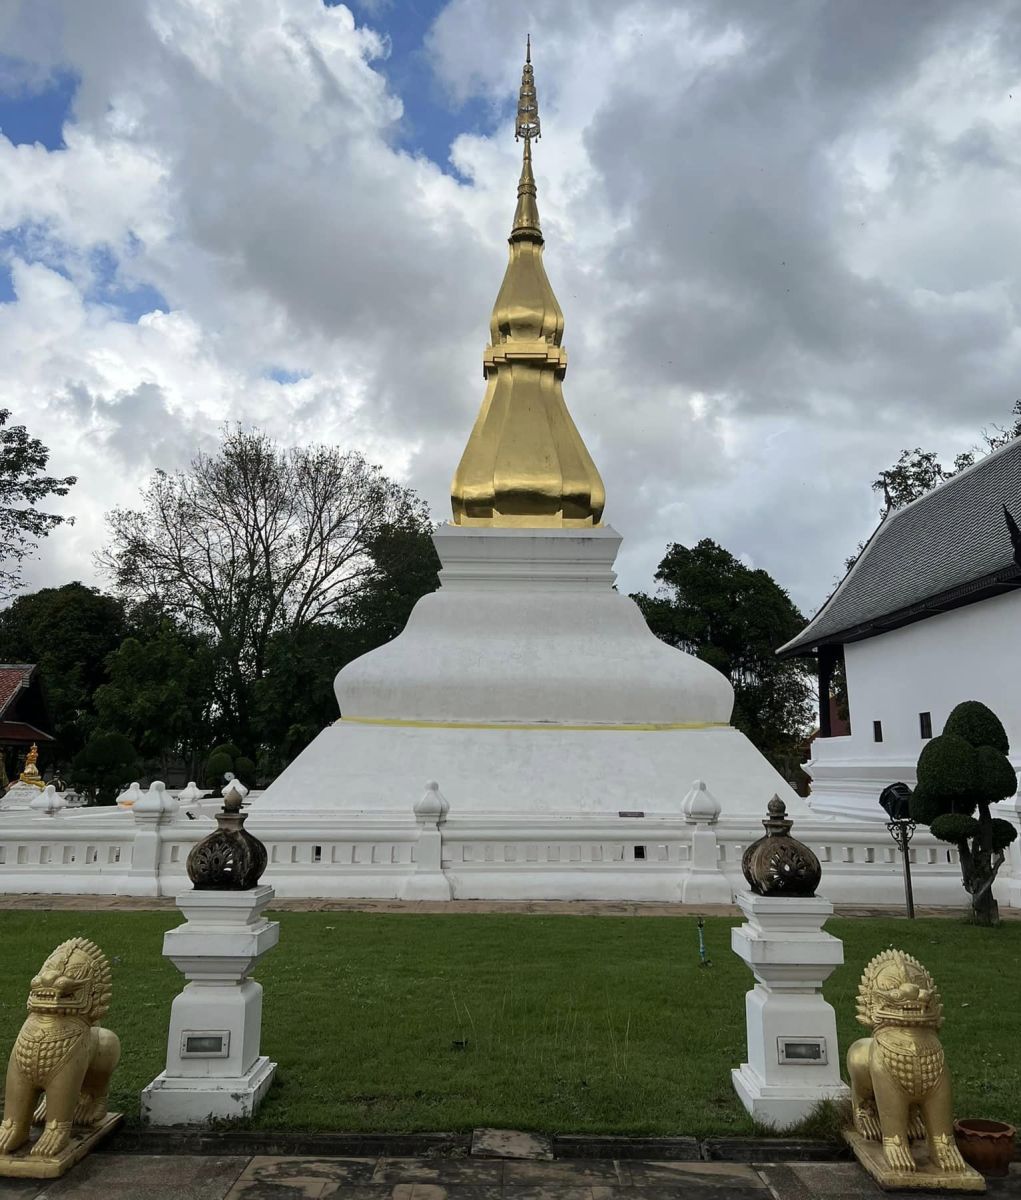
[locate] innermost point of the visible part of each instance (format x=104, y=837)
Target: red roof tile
x=21, y=731
x=13, y=677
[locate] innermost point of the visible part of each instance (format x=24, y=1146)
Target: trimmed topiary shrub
x=222, y=759
x=978, y=725
x=104, y=767
x=960, y=774
x=244, y=769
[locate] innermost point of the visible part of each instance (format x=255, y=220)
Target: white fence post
x=429, y=881
x=49, y=802
x=704, y=883
x=1011, y=869
x=151, y=811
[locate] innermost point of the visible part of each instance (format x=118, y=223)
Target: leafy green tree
x=965, y=769
x=918, y=471
x=295, y=698
x=104, y=767
x=159, y=693
x=734, y=618
x=23, y=486
x=405, y=567
x=252, y=541
x=68, y=631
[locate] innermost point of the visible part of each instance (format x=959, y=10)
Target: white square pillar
x=793, y=1056
x=214, y=1065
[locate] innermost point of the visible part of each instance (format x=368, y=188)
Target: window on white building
x=925, y=724
x=877, y=731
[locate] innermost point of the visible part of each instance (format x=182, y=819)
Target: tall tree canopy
x=23, y=485
x=68, y=631
x=733, y=617
x=295, y=697
x=918, y=471
x=254, y=541
x=159, y=692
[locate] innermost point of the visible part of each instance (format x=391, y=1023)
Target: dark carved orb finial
x=778, y=864
x=230, y=859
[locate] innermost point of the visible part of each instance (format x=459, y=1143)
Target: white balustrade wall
x=103, y=851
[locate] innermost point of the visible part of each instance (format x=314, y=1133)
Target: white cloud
x=781, y=236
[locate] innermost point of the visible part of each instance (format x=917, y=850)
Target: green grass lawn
x=561, y=1024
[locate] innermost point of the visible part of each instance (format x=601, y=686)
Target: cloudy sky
x=786, y=235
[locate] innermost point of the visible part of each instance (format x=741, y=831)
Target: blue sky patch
x=131, y=298
x=30, y=115
x=283, y=376
x=431, y=119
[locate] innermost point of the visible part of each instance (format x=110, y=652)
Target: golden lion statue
x=900, y=1088
x=61, y=1051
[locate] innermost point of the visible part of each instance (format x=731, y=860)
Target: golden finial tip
x=528, y=47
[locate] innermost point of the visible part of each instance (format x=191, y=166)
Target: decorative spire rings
x=525, y=464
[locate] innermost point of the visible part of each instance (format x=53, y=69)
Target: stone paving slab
x=146, y=1177
x=266, y=1177
x=510, y=1143
x=38, y=901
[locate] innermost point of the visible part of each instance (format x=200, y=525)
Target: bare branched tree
x=252, y=540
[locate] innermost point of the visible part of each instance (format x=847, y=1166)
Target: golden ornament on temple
x=30, y=774
x=525, y=464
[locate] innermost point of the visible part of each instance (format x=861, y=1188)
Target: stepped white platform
x=537, y=697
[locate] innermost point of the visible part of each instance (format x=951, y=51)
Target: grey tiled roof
x=946, y=541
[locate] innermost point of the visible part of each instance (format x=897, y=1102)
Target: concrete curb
x=154, y=1140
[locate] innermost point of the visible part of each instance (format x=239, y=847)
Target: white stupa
x=526, y=686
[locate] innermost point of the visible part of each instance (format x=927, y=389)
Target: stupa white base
x=563, y=734
x=793, y=1056
x=520, y=773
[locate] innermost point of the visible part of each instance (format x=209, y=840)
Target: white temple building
x=926, y=617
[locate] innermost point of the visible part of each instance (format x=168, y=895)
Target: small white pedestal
x=793, y=1056
x=214, y=1068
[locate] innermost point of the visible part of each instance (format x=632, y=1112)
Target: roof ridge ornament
x=1015, y=533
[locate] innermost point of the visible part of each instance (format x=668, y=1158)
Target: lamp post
x=896, y=800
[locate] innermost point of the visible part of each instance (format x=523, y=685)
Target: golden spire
x=525, y=464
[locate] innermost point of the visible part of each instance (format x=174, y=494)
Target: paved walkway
x=209, y=1177
x=576, y=908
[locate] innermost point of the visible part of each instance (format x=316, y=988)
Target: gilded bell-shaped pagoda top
x=525, y=464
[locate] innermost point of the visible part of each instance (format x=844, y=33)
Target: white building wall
x=970, y=653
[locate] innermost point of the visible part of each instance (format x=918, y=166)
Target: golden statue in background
x=525, y=464
x=900, y=1088
x=63, y=1053
x=30, y=774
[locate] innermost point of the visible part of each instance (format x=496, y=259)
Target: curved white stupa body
x=527, y=629
x=530, y=690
